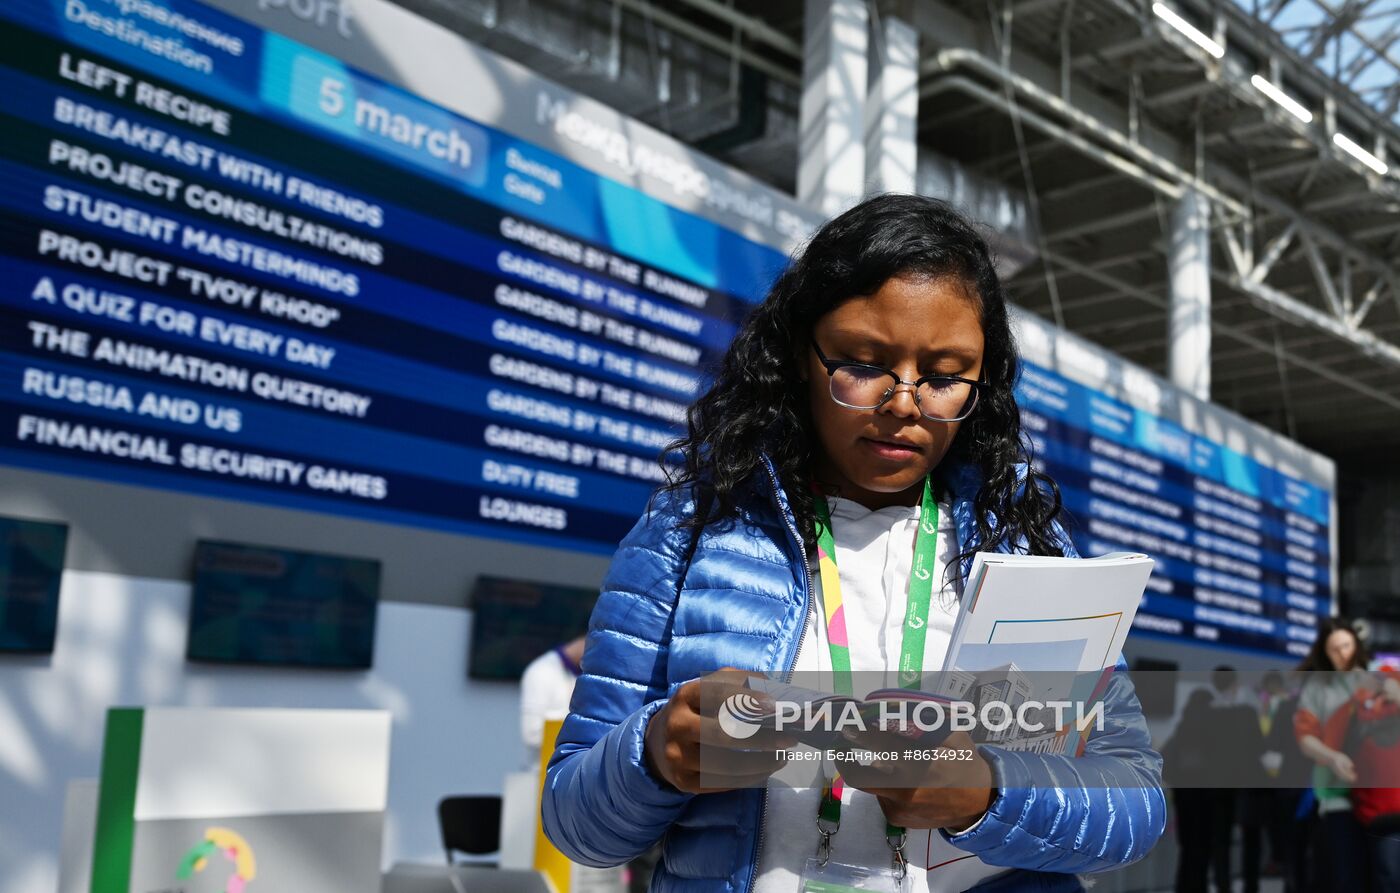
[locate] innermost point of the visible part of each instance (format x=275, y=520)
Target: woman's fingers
x=714, y=732
x=708, y=748
x=708, y=694
x=703, y=739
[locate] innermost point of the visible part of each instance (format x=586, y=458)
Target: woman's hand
x=951, y=793
x=686, y=746
x=1390, y=688
x=1342, y=766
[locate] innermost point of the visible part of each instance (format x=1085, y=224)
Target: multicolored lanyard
x=911, y=653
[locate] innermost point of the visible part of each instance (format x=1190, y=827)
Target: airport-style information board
x=233, y=265
x=1242, y=551
x=236, y=266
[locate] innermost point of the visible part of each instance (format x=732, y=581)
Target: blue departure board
x=1242, y=551
x=272, y=277
x=240, y=266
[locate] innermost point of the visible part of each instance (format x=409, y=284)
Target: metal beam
x=1115, y=50
x=1230, y=134
x=1031, y=7
x=1315, y=394
x=1316, y=345
x=1272, y=254
x=1286, y=169
x=948, y=59
x=1153, y=323
x=1117, y=148
x=673, y=22
x=1343, y=16
x=1324, y=278
x=1088, y=184
x=1388, y=398
x=1383, y=229
x=1341, y=199
x=752, y=27
x=1132, y=152
x=1337, y=358
x=1366, y=303
x=1012, y=157
x=1265, y=43
x=1237, y=253
x=1098, y=223
x=1177, y=94
x=1265, y=369
x=1295, y=311
x=1045, y=125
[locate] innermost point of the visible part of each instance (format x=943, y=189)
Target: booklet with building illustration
x=1047, y=613
x=1051, y=628
x=1036, y=631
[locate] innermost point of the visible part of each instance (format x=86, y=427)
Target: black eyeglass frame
x=978, y=387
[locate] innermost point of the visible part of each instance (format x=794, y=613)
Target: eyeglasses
x=940, y=398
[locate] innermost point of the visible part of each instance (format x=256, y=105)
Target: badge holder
x=821, y=874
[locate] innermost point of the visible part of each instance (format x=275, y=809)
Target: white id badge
x=836, y=877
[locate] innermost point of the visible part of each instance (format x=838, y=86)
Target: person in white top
x=546, y=687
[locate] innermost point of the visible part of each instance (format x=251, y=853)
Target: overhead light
x=1294, y=106
x=1345, y=143
x=1193, y=34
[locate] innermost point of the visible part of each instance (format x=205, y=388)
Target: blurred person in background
x=1236, y=758
x=1336, y=666
x=1186, y=759
x=1367, y=729
x=1268, y=696
x=545, y=689
x=1293, y=807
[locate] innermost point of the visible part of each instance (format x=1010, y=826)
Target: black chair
x=471, y=825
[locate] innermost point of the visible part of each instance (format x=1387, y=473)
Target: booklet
x=1035, y=629
x=1043, y=613
x=1046, y=629
x=1029, y=629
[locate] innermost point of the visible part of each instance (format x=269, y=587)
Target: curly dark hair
x=757, y=403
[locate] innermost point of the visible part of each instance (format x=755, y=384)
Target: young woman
x=865, y=407
x=1355, y=859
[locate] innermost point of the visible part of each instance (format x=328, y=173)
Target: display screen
x=256, y=272
x=515, y=621
x=1242, y=551
x=31, y=572
x=259, y=605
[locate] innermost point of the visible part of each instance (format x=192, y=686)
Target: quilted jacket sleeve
x=601, y=806
x=1096, y=812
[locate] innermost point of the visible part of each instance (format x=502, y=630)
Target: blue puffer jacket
x=744, y=604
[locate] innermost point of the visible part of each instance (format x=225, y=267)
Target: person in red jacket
x=1343, y=717
x=1367, y=728
x=1335, y=670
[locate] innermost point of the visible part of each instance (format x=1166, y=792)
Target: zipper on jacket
x=787, y=673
